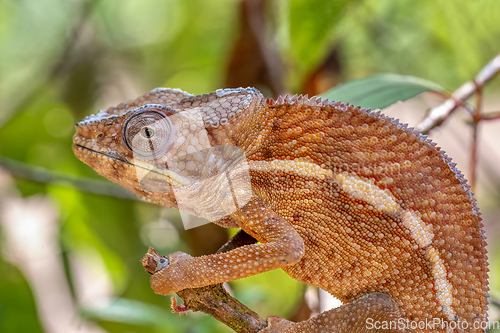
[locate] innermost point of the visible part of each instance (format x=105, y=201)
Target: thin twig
x=46, y=176
x=494, y=115
x=458, y=98
x=476, y=118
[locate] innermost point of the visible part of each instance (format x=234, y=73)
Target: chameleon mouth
x=83, y=152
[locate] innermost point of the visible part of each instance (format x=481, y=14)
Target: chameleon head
x=165, y=145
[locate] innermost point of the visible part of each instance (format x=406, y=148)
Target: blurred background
x=70, y=241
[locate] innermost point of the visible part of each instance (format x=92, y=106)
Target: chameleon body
x=341, y=197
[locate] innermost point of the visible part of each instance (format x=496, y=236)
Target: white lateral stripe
x=422, y=233
x=369, y=192
x=443, y=286
x=296, y=167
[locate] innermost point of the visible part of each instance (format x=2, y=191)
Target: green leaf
x=381, y=90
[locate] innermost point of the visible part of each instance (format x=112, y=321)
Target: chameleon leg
x=280, y=246
x=368, y=313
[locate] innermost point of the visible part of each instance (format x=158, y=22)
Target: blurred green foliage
x=61, y=60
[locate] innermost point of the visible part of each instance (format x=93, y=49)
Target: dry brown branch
x=46, y=176
x=213, y=300
x=476, y=118
x=494, y=115
x=458, y=98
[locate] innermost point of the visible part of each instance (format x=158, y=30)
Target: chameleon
x=337, y=196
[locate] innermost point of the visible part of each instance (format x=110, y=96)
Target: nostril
x=100, y=136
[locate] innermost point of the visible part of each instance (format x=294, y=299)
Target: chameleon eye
x=148, y=133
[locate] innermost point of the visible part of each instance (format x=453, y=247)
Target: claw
x=180, y=309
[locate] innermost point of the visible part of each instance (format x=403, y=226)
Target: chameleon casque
x=340, y=197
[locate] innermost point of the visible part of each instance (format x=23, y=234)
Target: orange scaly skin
x=343, y=198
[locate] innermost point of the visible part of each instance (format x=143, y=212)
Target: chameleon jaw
x=174, y=178
x=86, y=154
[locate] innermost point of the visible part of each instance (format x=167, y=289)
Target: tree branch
x=494, y=115
x=476, y=118
x=46, y=176
x=213, y=300
x=458, y=98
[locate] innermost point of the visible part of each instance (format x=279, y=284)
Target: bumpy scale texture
x=343, y=198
